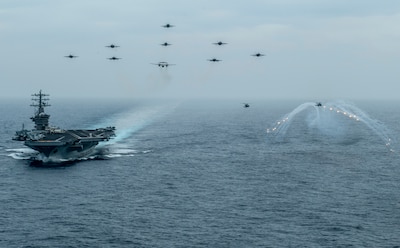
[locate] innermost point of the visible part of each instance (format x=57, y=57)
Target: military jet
x=168, y=26
x=318, y=104
x=258, y=55
x=220, y=43
x=112, y=46
x=162, y=64
x=214, y=60
x=165, y=44
x=113, y=58
x=71, y=56
x=246, y=105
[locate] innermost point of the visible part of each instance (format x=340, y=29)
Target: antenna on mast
x=40, y=119
x=40, y=101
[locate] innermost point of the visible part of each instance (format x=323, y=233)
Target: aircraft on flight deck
x=258, y=55
x=168, y=26
x=112, y=46
x=162, y=64
x=214, y=60
x=71, y=56
x=113, y=58
x=220, y=43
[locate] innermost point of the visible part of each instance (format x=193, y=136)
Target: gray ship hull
x=68, y=144
x=63, y=151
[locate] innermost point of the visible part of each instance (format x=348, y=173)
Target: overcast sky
x=315, y=49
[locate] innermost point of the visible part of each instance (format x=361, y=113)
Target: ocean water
x=208, y=174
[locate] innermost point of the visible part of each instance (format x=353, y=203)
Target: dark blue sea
x=207, y=174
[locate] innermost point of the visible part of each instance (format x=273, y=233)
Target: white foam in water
x=21, y=153
x=122, y=150
x=327, y=121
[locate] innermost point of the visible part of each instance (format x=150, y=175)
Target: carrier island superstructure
x=57, y=143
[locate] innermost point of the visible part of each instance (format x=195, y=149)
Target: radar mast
x=41, y=119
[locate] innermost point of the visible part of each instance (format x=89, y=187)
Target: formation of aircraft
x=166, y=64
x=162, y=64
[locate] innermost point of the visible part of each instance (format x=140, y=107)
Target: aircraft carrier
x=57, y=143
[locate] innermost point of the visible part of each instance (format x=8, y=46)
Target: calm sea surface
x=208, y=174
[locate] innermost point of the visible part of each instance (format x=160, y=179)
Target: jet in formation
x=246, y=105
x=113, y=58
x=165, y=44
x=112, y=46
x=258, y=55
x=220, y=43
x=162, y=64
x=71, y=56
x=168, y=26
x=214, y=60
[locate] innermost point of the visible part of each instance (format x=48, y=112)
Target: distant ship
x=56, y=143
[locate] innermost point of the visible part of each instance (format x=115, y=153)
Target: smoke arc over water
x=331, y=119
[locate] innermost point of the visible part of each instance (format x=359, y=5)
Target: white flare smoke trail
x=339, y=108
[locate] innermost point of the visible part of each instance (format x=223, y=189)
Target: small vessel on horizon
x=54, y=143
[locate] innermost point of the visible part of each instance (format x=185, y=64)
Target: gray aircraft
x=258, y=55
x=162, y=64
x=219, y=43
x=168, y=26
x=71, y=56
x=112, y=46
x=214, y=60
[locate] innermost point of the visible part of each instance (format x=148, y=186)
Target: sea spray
x=21, y=153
